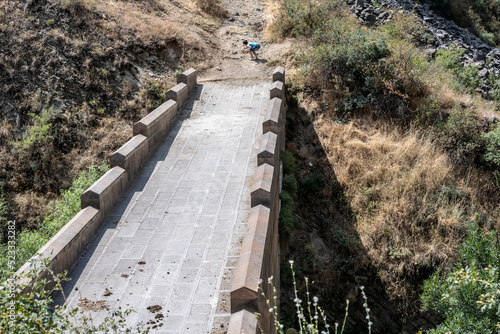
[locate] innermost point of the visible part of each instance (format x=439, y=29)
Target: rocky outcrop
x=440, y=34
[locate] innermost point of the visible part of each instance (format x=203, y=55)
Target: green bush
x=300, y=18
x=492, y=155
x=290, y=184
x=468, y=298
x=287, y=222
x=288, y=162
x=287, y=195
x=353, y=60
x=466, y=77
x=488, y=37
x=28, y=242
x=154, y=93
x=353, y=66
x=41, y=132
x=311, y=183
x=494, y=80
x=457, y=131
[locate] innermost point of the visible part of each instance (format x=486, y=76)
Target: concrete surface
x=175, y=237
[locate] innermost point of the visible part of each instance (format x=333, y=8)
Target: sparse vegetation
x=33, y=312
x=28, y=242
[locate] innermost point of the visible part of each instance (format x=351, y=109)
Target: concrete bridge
x=185, y=223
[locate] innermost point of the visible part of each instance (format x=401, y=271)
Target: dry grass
x=410, y=202
x=212, y=7
x=29, y=206
x=147, y=19
x=150, y=21
x=271, y=15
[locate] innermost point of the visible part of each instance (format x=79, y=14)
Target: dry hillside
x=74, y=76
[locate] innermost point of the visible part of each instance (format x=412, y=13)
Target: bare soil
x=247, y=20
x=87, y=305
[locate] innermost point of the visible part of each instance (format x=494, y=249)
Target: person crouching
x=252, y=47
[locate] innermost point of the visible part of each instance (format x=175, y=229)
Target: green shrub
x=311, y=183
x=290, y=184
x=299, y=18
x=288, y=162
x=466, y=77
x=354, y=66
x=351, y=59
x=468, y=298
x=287, y=222
x=494, y=80
x=28, y=242
x=41, y=132
x=154, y=93
x=488, y=37
x=457, y=131
x=492, y=155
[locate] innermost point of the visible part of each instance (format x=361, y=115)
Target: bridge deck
x=175, y=238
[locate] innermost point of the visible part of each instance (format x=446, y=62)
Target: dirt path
x=248, y=20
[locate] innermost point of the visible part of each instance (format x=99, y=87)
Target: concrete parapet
x=241, y=322
x=178, y=93
x=131, y=156
x=259, y=256
x=276, y=90
x=245, y=287
x=105, y=192
x=269, y=152
x=189, y=78
x=63, y=249
x=262, y=186
x=273, y=117
x=157, y=123
x=279, y=74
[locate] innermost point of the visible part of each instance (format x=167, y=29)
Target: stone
x=484, y=73
x=440, y=34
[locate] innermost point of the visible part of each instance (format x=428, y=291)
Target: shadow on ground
x=327, y=248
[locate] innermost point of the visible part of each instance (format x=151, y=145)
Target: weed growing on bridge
x=28, y=308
